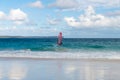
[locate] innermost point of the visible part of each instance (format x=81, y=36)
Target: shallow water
x=69, y=44
x=71, y=48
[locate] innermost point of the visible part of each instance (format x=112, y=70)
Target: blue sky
x=75, y=18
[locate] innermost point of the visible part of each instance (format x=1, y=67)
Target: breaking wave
x=60, y=55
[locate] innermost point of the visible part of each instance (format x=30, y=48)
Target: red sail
x=60, y=38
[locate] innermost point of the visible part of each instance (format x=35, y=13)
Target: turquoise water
x=49, y=44
x=72, y=47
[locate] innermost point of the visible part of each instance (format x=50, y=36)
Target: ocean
x=72, y=48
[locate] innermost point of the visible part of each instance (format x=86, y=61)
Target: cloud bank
x=91, y=19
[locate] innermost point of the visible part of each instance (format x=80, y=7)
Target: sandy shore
x=59, y=69
x=58, y=58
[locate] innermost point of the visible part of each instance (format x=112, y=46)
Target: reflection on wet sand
x=17, y=72
x=86, y=72
x=70, y=69
x=94, y=74
x=1, y=72
x=59, y=70
x=12, y=71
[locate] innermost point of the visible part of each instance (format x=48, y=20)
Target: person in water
x=59, y=39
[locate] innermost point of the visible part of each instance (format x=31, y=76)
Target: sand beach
x=59, y=69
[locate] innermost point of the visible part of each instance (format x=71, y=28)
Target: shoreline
x=67, y=59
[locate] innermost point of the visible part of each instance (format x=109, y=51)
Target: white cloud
x=2, y=15
x=91, y=19
x=53, y=21
x=65, y=4
x=78, y=4
x=37, y=4
x=17, y=16
x=113, y=13
x=104, y=3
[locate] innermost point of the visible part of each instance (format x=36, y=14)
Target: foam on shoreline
x=60, y=55
x=59, y=58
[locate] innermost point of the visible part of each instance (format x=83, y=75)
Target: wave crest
x=60, y=55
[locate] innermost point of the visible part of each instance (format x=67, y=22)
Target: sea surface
x=73, y=48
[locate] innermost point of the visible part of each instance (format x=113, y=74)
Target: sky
x=74, y=18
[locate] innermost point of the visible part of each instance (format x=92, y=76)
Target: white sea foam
x=60, y=55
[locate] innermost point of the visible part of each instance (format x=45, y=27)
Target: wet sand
x=58, y=69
